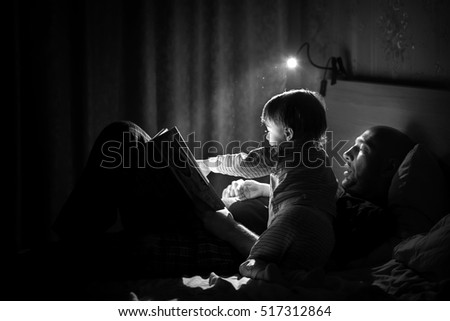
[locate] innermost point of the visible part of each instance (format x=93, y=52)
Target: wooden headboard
x=423, y=114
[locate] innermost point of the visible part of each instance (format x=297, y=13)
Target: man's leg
x=117, y=179
x=167, y=238
x=91, y=208
x=252, y=213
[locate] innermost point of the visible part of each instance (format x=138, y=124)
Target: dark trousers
x=122, y=177
x=162, y=236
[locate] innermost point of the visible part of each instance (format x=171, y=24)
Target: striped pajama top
x=306, y=177
x=300, y=178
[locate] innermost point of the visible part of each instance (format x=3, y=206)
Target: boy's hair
x=301, y=110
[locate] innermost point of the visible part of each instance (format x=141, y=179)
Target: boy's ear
x=288, y=133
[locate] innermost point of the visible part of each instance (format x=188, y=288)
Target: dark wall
x=79, y=65
x=386, y=40
x=206, y=66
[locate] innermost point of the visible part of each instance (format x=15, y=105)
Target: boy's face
x=275, y=134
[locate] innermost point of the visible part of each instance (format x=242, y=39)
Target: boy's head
x=296, y=115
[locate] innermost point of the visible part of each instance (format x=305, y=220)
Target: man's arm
x=223, y=225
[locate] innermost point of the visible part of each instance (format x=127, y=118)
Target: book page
x=162, y=131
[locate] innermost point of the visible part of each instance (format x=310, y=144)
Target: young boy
x=302, y=185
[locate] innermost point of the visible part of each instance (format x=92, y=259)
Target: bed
x=420, y=265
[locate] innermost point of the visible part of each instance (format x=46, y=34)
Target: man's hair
x=301, y=110
x=392, y=142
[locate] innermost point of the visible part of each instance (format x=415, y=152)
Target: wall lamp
x=336, y=68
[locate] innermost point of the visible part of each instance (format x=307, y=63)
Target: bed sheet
x=314, y=286
x=390, y=281
x=403, y=283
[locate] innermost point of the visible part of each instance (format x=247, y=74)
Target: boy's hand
x=228, y=201
x=243, y=189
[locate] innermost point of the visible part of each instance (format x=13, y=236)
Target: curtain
x=205, y=66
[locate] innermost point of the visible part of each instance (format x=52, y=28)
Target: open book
x=176, y=154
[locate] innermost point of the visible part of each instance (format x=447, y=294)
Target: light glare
x=291, y=63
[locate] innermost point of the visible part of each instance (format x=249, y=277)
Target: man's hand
x=245, y=189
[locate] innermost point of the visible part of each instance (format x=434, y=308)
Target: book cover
x=177, y=155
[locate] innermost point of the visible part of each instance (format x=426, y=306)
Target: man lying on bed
x=365, y=230
x=164, y=236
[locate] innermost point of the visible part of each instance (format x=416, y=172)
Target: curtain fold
x=206, y=66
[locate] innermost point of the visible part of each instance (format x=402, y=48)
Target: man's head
x=372, y=162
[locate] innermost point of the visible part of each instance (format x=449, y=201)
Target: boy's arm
x=255, y=164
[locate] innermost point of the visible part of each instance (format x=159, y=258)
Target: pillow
x=428, y=254
x=418, y=193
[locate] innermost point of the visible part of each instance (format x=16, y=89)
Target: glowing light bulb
x=291, y=63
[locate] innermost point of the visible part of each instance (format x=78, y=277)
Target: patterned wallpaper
x=391, y=40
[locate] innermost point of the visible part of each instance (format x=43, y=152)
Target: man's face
x=363, y=165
